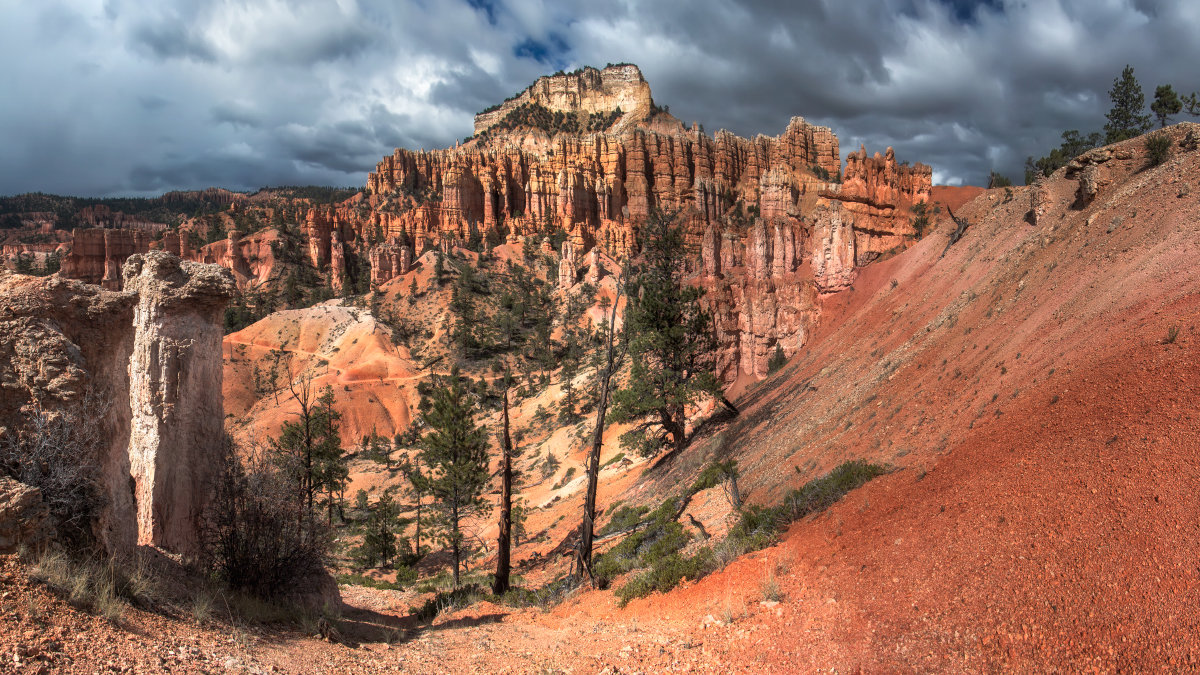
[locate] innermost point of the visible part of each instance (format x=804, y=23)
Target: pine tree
x=455, y=450
x=1166, y=103
x=379, y=541
x=310, y=450
x=1191, y=104
x=1126, y=119
x=439, y=269
x=418, y=489
x=570, y=362
x=670, y=343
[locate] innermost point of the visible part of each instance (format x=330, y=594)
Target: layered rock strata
x=765, y=216
x=772, y=226
x=97, y=254
x=152, y=354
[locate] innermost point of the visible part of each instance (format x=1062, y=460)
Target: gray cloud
x=142, y=97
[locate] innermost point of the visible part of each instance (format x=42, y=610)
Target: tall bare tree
x=504, y=538
x=588, y=529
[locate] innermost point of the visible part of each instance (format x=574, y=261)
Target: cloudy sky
x=121, y=97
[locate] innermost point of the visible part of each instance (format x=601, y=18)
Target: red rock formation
x=755, y=209
x=98, y=254
x=878, y=194
x=389, y=260
x=251, y=259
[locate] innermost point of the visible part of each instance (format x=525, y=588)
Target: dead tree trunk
x=504, y=539
x=588, y=531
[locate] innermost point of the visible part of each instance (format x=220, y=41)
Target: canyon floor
x=1036, y=387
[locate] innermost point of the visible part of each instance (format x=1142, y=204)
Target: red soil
x=1036, y=390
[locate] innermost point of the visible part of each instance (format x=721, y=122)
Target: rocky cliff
x=97, y=254
x=586, y=91
x=152, y=354
x=775, y=222
x=772, y=224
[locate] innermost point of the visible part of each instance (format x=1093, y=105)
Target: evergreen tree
x=216, y=230
x=418, y=489
x=1127, y=118
x=1191, y=104
x=1166, y=103
x=1073, y=145
x=24, y=263
x=455, y=450
x=310, y=450
x=439, y=268
x=379, y=450
x=378, y=547
x=670, y=342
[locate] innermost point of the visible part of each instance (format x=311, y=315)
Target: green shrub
x=666, y=574
x=660, y=537
x=777, y=361
x=920, y=221
x=1158, y=148
x=613, y=460
x=760, y=524
x=656, y=548
x=625, y=518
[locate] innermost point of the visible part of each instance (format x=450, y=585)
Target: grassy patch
x=104, y=588
x=656, y=548
x=613, y=460
x=449, y=601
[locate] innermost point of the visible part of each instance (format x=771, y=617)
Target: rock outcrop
x=389, y=260
x=175, y=393
x=152, y=354
x=594, y=159
x=587, y=91
x=97, y=254
x=24, y=517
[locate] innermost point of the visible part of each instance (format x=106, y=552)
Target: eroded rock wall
x=97, y=254
x=772, y=226
x=151, y=355
x=59, y=340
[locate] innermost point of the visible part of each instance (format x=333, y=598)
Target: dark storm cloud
x=140, y=97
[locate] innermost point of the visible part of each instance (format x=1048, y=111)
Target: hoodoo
x=152, y=354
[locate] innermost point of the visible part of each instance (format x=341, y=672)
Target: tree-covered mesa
x=669, y=340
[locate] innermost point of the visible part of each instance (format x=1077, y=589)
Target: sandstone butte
x=773, y=227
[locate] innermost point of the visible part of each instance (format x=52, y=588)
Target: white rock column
x=175, y=393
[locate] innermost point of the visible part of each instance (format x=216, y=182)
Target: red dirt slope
x=1038, y=385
